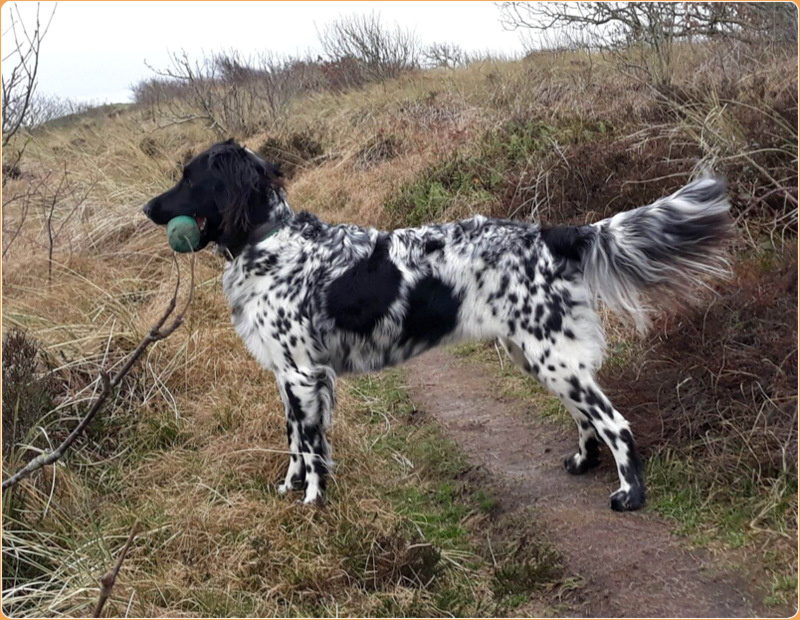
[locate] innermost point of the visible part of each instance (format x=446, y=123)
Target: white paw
x=312, y=496
x=283, y=488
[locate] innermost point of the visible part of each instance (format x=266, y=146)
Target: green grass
x=460, y=179
x=682, y=489
x=435, y=501
x=783, y=590
x=474, y=177
x=711, y=511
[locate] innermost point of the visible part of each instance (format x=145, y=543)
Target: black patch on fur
x=568, y=242
x=433, y=245
x=298, y=481
x=432, y=312
x=295, y=408
x=611, y=436
x=576, y=390
x=592, y=449
x=359, y=298
x=589, y=460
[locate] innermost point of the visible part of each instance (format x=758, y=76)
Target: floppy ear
x=241, y=191
x=247, y=190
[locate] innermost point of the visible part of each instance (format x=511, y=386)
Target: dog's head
x=229, y=190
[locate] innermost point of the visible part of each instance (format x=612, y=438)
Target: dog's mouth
x=202, y=223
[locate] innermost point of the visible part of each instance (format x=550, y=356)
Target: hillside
x=194, y=440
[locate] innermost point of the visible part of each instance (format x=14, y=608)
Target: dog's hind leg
x=587, y=455
x=573, y=382
x=581, y=395
x=311, y=396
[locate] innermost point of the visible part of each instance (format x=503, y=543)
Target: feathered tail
x=667, y=247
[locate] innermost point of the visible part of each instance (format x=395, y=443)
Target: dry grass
x=193, y=443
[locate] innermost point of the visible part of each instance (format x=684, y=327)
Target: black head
x=229, y=190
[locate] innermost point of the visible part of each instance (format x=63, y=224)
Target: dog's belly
x=390, y=344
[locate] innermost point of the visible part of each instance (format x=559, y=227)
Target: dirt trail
x=632, y=564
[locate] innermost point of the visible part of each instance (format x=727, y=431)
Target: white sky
x=96, y=50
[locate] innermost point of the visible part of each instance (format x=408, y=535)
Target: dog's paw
x=313, y=495
x=295, y=483
x=316, y=500
x=630, y=499
x=576, y=465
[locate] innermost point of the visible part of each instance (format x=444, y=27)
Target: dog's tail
x=665, y=249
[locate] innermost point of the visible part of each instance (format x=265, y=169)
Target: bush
x=29, y=388
x=478, y=179
x=381, y=147
x=382, y=53
x=291, y=153
x=448, y=55
x=233, y=94
x=644, y=35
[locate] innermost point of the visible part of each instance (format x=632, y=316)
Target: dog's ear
x=237, y=191
x=249, y=186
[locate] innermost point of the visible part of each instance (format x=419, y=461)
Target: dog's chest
x=250, y=301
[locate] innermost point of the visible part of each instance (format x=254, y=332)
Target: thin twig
x=157, y=332
x=108, y=580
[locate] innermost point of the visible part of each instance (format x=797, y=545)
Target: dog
x=313, y=300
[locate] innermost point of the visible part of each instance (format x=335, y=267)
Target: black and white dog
x=312, y=300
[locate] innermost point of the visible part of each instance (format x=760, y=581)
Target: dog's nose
x=148, y=208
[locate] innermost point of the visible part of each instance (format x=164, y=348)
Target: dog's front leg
x=296, y=472
x=309, y=398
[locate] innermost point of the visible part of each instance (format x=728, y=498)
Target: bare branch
x=19, y=85
x=653, y=27
x=448, y=55
x=108, y=580
x=232, y=93
x=382, y=53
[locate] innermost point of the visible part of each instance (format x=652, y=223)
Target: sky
x=94, y=51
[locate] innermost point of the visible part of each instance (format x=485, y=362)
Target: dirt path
x=632, y=565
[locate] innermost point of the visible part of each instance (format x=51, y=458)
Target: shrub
x=381, y=52
x=29, y=388
x=381, y=147
x=476, y=179
x=291, y=153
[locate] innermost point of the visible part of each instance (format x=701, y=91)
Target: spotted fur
x=313, y=300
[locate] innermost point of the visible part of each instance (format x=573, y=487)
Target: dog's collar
x=265, y=231
x=259, y=234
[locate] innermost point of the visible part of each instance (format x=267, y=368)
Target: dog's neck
x=266, y=230
x=279, y=215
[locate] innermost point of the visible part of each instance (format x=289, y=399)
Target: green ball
x=183, y=234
